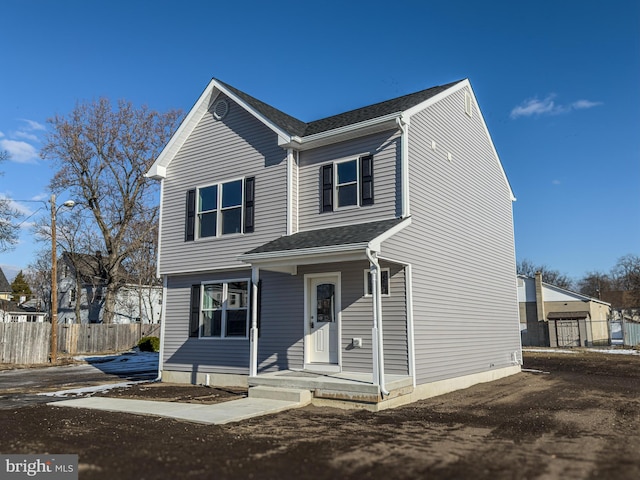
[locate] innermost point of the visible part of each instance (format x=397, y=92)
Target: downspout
x=403, y=125
x=162, y=324
x=377, y=322
x=253, y=332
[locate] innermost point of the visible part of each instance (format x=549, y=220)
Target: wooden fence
x=29, y=343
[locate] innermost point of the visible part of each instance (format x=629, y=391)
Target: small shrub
x=149, y=344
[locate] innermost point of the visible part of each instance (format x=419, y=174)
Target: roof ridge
x=293, y=125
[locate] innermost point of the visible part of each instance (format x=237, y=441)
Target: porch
x=345, y=386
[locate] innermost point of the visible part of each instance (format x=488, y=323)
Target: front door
x=322, y=319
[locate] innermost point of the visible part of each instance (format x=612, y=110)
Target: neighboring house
x=6, y=292
x=551, y=316
x=625, y=316
x=12, y=312
x=367, y=256
x=85, y=274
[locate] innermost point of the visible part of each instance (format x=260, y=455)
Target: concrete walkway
x=220, y=413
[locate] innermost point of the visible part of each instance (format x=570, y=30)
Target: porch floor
x=350, y=386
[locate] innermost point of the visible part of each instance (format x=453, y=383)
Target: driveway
x=21, y=387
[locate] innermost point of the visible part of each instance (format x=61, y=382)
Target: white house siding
x=220, y=150
x=386, y=160
x=184, y=354
x=461, y=246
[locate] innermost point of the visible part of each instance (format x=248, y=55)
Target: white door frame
x=321, y=367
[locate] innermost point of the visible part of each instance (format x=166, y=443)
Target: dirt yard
x=579, y=420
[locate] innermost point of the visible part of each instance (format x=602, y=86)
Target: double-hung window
x=347, y=183
x=220, y=209
x=220, y=309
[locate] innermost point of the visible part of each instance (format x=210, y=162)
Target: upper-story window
x=220, y=209
x=347, y=183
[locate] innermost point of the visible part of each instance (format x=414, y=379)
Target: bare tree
x=594, y=284
x=553, y=277
x=8, y=215
x=102, y=152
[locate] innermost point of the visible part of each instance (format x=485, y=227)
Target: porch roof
x=567, y=315
x=343, y=239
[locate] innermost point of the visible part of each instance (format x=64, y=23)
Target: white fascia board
x=379, y=124
x=177, y=273
x=159, y=168
x=376, y=243
x=460, y=85
x=575, y=295
x=290, y=264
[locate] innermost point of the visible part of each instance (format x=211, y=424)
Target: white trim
x=289, y=191
x=411, y=345
x=160, y=216
x=163, y=315
x=375, y=244
x=307, y=334
x=302, y=252
x=403, y=123
x=211, y=92
x=378, y=124
x=253, y=329
x=225, y=296
x=159, y=168
x=336, y=185
x=219, y=209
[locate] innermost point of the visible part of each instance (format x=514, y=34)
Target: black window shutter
x=194, y=314
x=190, y=220
x=249, y=201
x=366, y=180
x=326, y=173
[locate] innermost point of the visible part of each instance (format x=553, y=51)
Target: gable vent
x=220, y=109
x=468, y=104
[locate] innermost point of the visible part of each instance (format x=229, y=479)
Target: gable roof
x=5, y=286
x=296, y=127
x=292, y=131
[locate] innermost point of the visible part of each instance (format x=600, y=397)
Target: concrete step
x=279, y=393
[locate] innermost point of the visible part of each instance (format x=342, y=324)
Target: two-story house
x=367, y=257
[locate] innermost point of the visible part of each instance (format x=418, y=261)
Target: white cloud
x=33, y=125
x=1, y=134
x=555, y=182
x=534, y=107
x=20, y=152
x=26, y=136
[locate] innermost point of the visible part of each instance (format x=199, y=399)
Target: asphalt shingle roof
x=347, y=235
x=293, y=126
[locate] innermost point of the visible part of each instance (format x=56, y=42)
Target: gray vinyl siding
x=461, y=246
x=386, y=159
x=357, y=317
x=185, y=354
x=280, y=342
x=217, y=151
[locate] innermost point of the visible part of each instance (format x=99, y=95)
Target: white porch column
x=253, y=332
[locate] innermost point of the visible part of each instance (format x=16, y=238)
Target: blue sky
x=558, y=83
